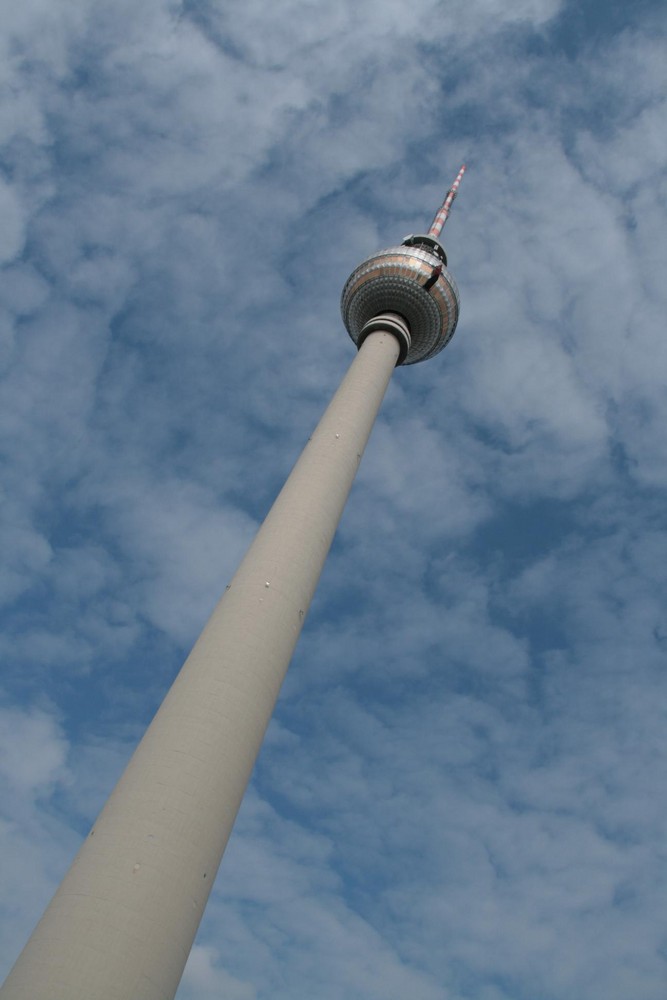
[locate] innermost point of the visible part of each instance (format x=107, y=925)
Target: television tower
x=122, y=922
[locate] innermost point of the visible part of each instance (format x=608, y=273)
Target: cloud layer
x=459, y=796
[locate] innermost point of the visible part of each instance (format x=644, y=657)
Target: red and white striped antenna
x=443, y=212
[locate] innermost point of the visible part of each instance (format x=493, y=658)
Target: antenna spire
x=443, y=212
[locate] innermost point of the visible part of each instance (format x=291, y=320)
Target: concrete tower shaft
x=122, y=923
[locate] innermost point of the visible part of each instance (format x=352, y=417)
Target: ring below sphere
x=392, y=280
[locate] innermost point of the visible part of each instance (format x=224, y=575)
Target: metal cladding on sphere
x=410, y=280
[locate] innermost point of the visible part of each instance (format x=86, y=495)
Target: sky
x=461, y=795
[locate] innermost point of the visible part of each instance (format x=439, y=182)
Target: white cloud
x=32, y=751
x=204, y=980
x=33, y=764
x=13, y=224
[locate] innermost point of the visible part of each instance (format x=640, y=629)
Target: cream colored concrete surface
x=122, y=923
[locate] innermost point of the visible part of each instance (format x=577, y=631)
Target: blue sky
x=461, y=796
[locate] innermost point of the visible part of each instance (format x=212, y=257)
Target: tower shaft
x=122, y=923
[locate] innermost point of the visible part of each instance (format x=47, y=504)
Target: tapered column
x=122, y=923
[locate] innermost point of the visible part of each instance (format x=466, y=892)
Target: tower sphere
x=410, y=280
